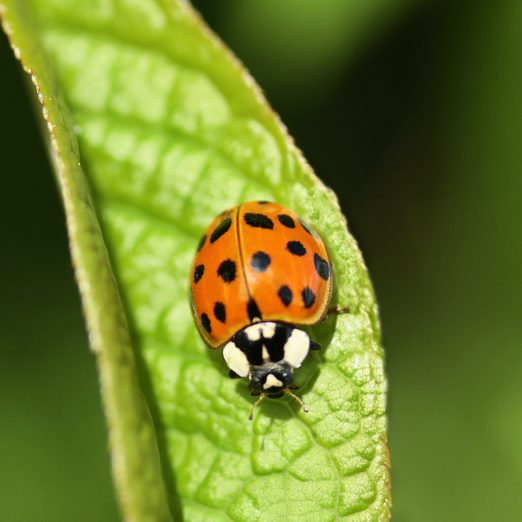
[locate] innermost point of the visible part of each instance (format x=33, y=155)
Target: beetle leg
x=337, y=310
x=314, y=346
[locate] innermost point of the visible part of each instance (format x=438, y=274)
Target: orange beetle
x=258, y=272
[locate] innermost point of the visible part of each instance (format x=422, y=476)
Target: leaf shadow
x=174, y=500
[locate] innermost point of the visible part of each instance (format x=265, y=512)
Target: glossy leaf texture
x=154, y=129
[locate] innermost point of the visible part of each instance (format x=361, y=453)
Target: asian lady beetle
x=258, y=272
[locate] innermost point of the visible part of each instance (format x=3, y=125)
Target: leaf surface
x=154, y=129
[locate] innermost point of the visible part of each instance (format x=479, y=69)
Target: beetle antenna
x=306, y=409
x=261, y=398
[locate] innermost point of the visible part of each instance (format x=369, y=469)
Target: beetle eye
x=287, y=376
x=257, y=379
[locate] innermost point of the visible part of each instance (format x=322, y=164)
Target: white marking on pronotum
x=253, y=333
x=272, y=381
x=258, y=330
x=296, y=348
x=265, y=354
x=268, y=330
x=236, y=360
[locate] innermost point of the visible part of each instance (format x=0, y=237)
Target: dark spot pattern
x=321, y=267
x=263, y=202
x=296, y=247
x=308, y=297
x=227, y=270
x=258, y=220
x=220, y=312
x=205, y=321
x=198, y=273
x=201, y=243
x=260, y=261
x=285, y=294
x=275, y=345
x=286, y=220
x=253, y=310
x=305, y=226
x=220, y=229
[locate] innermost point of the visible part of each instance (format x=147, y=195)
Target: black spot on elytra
x=220, y=229
x=285, y=294
x=286, y=220
x=198, y=272
x=308, y=297
x=220, y=311
x=263, y=202
x=322, y=267
x=260, y=261
x=253, y=310
x=305, y=226
x=296, y=247
x=205, y=321
x=227, y=270
x=201, y=243
x=258, y=220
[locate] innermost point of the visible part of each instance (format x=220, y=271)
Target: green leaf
x=154, y=129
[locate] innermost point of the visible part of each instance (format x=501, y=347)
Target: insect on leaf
x=154, y=128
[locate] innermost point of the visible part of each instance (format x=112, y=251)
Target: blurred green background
x=412, y=112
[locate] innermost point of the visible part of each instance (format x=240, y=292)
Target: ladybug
x=259, y=274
